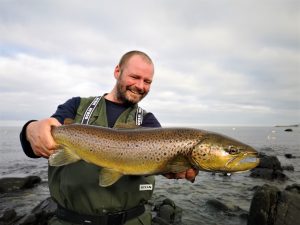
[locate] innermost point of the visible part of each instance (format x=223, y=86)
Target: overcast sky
x=216, y=62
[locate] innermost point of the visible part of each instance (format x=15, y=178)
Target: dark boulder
x=269, y=168
x=269, y=162
x=8, y=216
x=270, y=206
x=268, y=174
x=9, y=184
x=226, y=208
x=289, y=156
x=40, y=214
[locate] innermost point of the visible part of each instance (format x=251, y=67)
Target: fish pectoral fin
x=63, y=157
x=108, y=177
x=179, y=164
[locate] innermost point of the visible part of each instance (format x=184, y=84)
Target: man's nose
x=140, y=85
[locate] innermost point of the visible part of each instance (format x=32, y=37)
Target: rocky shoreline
x=269, y=205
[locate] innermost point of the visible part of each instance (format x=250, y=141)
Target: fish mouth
x=246, y=162
x=249, y=159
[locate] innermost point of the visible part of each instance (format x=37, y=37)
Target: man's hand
x=38, y=134
x=189, y=174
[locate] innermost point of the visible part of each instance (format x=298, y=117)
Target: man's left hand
x=189, y=174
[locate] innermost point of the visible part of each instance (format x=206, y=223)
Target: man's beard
x=128, y=94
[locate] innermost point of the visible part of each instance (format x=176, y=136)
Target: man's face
x=134, y=80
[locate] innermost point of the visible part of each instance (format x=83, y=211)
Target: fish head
x=223, y=154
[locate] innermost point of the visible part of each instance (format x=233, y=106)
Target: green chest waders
x=75, y=186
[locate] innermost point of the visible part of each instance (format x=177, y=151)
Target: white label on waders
x=146, y=187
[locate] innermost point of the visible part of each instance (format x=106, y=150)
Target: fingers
x=189, y=174
x=38, y=134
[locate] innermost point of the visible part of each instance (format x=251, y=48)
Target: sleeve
x=25, y=144
x=150, y=120
x=66, y=110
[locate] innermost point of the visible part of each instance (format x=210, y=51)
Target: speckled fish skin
x=147, y=151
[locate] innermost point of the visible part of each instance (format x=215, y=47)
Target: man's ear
x=117, y=72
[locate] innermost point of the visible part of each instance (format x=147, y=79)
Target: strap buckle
x=117, y=218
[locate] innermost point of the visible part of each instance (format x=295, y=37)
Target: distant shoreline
x=295, y=125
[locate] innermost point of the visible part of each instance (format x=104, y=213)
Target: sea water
x=235, y=190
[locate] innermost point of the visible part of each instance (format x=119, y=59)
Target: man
x=75, y=187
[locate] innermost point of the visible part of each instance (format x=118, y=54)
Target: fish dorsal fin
x=63, y=157
x=68, y=121
x=126, y=126
x=178, y=164
x=108, y=177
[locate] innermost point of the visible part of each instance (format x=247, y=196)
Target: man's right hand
x=38, y=133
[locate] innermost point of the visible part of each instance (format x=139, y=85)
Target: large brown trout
x=146, y=151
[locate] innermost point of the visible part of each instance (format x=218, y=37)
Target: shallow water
x=191, y=197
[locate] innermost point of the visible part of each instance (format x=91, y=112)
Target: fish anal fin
x=63, y=157
x=179, y=164
x=108, y=177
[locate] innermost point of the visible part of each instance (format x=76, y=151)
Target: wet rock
x=288, y=130
x=9, y=184
x=228, y=209
x=269, y=162
x=270, y=206
x=263, y=204
x=41, y=214
x=289, y=156
x=288, y=167
x=293, y=188
x=269, y=168
x=269, y=174
x=9, y=217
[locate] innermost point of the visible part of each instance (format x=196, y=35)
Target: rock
x=289, y=156
x=263, y=206
x=293, y=188
x=220, y=206
x=41, y=214
x=9, y=184
x=288, y=130
x=228, y=209
x=288, y=209
x=9, y=217
x=269, y=168
x=268, y=174
x=269, y=162
x=270, y=206
x=288, y=167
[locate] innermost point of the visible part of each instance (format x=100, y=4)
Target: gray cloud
x=225, y=62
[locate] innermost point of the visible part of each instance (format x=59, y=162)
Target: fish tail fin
x=108, y=177
x=63, y=157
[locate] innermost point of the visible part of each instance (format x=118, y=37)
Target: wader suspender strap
x=139, y=116
x=89, y=111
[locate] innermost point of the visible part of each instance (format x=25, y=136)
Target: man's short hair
x=125, y=58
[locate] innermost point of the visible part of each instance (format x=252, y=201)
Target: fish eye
x=232, y=150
